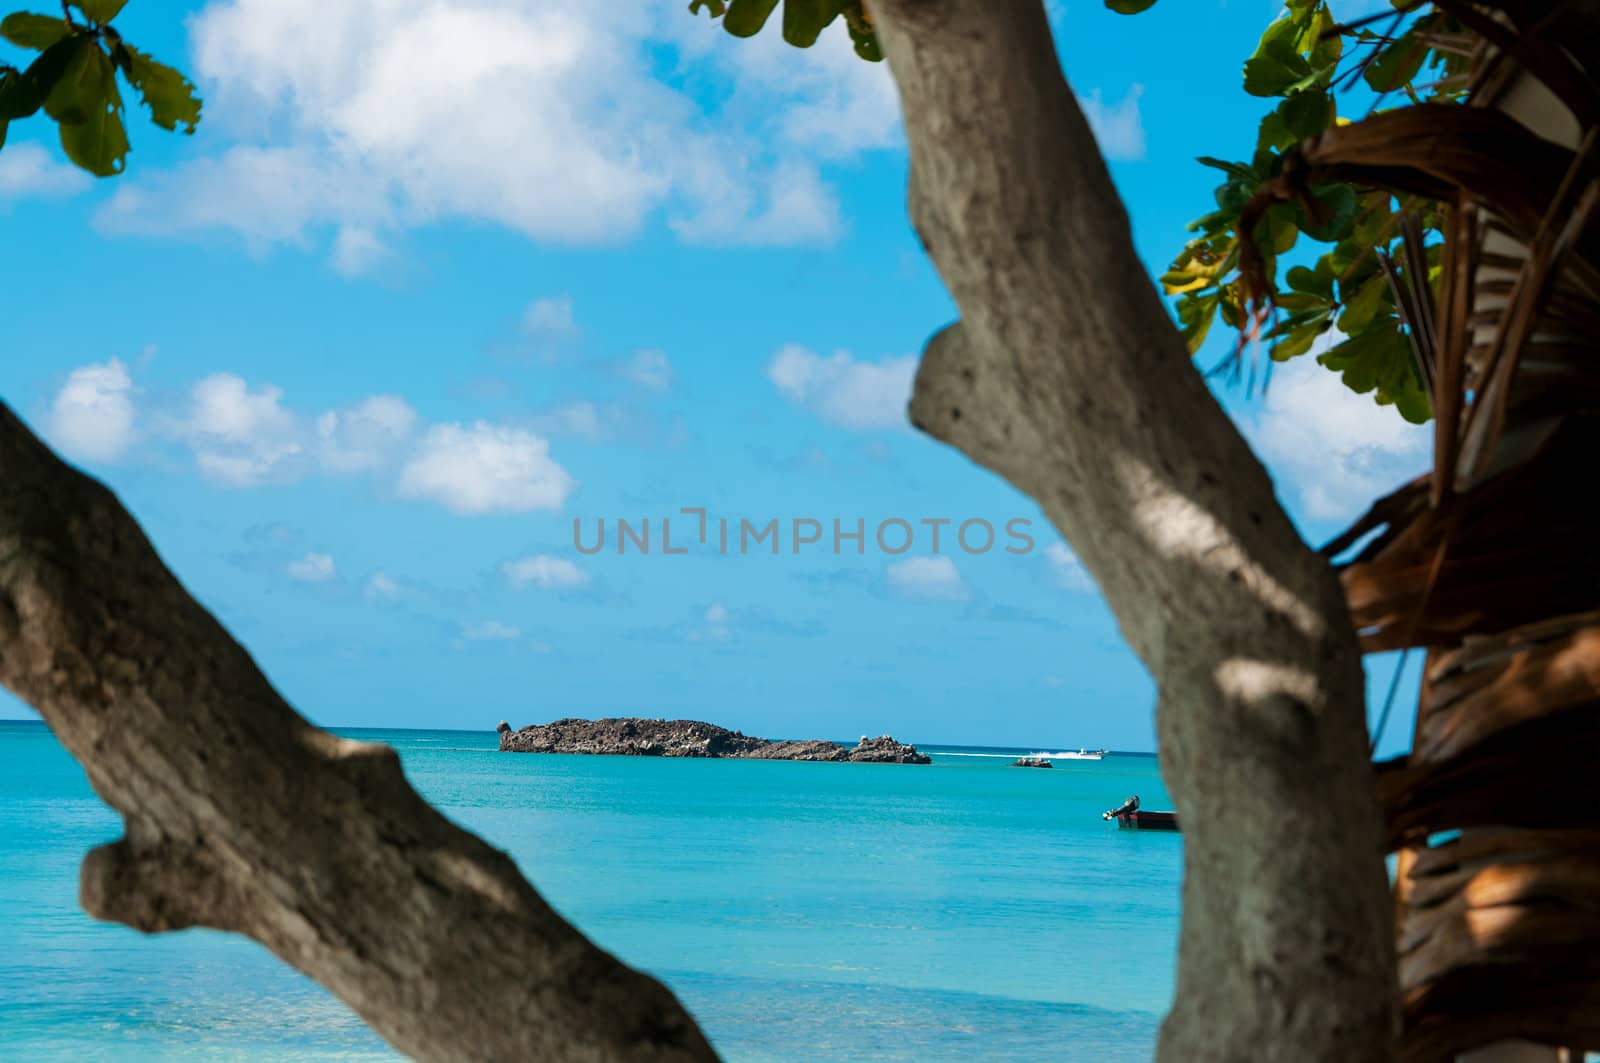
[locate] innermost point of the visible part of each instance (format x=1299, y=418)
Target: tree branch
x=242, y=816
x=1067, y=377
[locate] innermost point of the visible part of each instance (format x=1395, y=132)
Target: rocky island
x=635, y=737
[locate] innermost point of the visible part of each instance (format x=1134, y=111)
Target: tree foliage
x=1287, y=271
x=1345, y=288
x=73, y=79
x=803, y=20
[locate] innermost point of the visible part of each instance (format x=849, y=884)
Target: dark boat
x=1130, y=816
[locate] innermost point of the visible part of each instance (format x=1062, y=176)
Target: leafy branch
x=1231, y=268
x=803, y=20
x=73, y=80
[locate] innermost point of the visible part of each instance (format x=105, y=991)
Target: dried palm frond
x=1492, y=561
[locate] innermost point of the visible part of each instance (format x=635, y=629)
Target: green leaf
x=1298, y=301
x=88, y=107
x=1273, y=135
x=1215, y=222
x=1284, y=30
x=746, y=17
x=70, y=92
x=1363, y=304
x=1235, y=169
x=16, y=98
x=38, y=32
x=866, y=45
x=170, y=96
x=1275, y=70
x=1299, y=116
x=1397, y=64
x=1305, y=114
x=1277, y=229
x=1130, y=7
x=26, y=93
x=1316, y=43
x=1195, y=314
x=804, y=20
x=1317, y=281
x=1380, y=360
x=1232, y=309
x=1297, y=340
x=1337, y=205
x=1233, y=195
x=100, y=11
x=1373, y=224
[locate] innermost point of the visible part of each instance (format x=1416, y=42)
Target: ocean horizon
x=800, y=910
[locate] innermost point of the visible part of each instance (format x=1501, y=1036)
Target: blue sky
x=433, y=281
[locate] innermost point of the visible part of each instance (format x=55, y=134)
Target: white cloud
x=734, y=207
x=485, y=468
x=491, y=631
x=1336, y=450
x=582, y=419
x=649, y=369
x=591, y=421
x=313, y=568
x=928, y=578
x=550, y=319
x=240, y=437
x=1066, y=569
x=544, y=571
x=29, y=171
x=715, y=627
x=376, y=116
x=92, y=417
x=843, y=391
x=364, y=436
x=244, y=435
x=357, y=250
x=268, y=195
x=835, y=103
x=1118, y=127
x=382, y=587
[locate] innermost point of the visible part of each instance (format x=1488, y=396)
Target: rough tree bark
x=1066, y=376
x=242, y=816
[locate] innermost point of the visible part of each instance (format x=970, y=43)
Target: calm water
x=802, y=911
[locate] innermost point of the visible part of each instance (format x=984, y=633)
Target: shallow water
x=802, y=911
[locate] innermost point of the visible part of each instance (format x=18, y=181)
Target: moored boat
x=1130, y=816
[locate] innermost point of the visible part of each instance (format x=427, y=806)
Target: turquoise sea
x=968, y=910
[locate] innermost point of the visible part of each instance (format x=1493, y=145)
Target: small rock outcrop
x=635, y=737
x=1031, y=762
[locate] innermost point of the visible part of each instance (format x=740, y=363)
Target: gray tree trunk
x=1066, y=376
x=242, y=816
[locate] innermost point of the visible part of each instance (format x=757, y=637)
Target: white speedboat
x=1083, y=754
